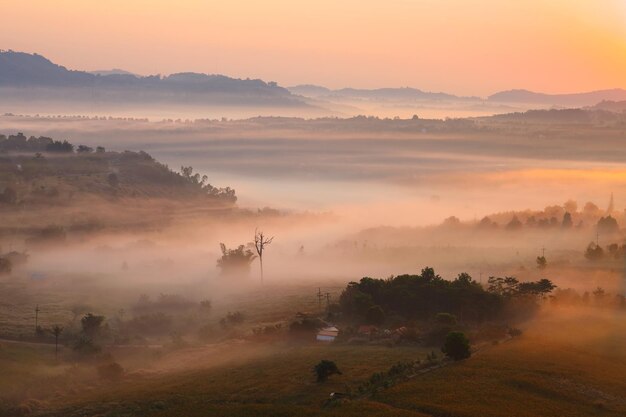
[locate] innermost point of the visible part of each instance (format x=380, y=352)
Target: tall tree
x=260, y=242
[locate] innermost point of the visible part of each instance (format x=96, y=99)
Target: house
x=327, y=334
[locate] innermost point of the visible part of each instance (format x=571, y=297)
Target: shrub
x=456, y=346
x=325, y=369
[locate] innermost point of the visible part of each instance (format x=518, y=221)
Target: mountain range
x=32, y=77
x=35, y=77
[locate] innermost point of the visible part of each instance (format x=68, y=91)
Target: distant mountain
x=379, y=94
x=570, y=100
x=33, y=77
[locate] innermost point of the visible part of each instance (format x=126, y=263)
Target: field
x=567, y=362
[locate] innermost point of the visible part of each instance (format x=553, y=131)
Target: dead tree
x=260, y=242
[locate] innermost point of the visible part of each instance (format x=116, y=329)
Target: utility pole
x=543, y=252
x=328, y=301
x=319, y=298
x=37, y=318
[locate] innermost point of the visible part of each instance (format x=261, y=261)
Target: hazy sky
x=462, y=46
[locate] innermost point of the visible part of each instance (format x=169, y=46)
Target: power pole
x=543, y=252
x=328, y=301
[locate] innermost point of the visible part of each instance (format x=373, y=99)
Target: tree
x=91, y=325
x=325, y=369
x=56, y=331
x=567, y=222
x=542, y=263
x=100, y=149
x=594, y=252
x=260, y=242
x=514, y=224
x=84, y=149
x=456, y=346
x=607, y=225
x=375, y=315
x=235, y=261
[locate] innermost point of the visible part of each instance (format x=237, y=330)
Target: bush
x=325, y=369
x=456, y=346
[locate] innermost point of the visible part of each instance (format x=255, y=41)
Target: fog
x=342, y=198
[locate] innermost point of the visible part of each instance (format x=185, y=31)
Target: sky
x=470, y=47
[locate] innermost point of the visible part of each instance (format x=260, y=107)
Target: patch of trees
x=596, y=298
x=423, y=296
x=595, y=252
x=418, y=297
x=201, y=182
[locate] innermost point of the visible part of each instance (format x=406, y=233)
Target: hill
x=33, y=76
x=40, y=169
x=609, y=105
x=570, y=100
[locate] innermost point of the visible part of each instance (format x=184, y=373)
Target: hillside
x=35, y=77
x=40, y=170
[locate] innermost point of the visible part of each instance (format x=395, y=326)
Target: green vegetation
x=456, y=346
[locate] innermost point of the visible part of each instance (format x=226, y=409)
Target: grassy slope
x=564, y=367
x=254, y=380
x=574, y=369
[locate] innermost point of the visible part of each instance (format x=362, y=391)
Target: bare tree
x=260, y=242
x=56, y=331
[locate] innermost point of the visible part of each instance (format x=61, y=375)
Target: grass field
x=565, y=364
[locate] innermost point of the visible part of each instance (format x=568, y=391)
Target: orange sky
x=460, y=46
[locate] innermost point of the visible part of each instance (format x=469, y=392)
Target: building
x=327, y=334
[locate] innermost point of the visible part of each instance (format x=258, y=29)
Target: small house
x=327, y=334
